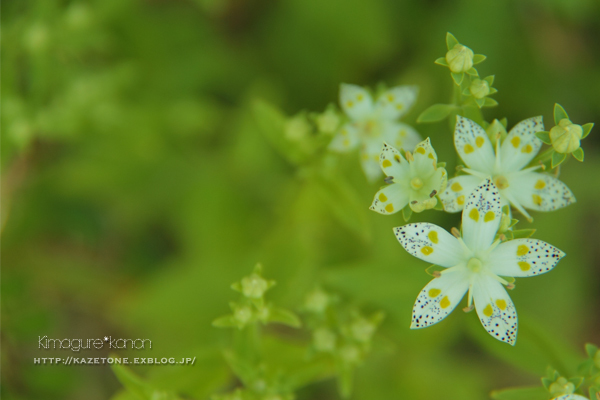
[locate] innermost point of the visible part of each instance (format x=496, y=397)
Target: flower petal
x=481, y=216
x=524, y=257
x=395, y=102
x=473, y=145
x=346, y=139
x=430, y=243
x=570, y=397
x=355, y=101
x=541, y=192
x=390, y=199
x=370, y=154
x=521, y=144
x=457, y=190
x=393, y=163
x=438, y=298
x=495, y=309
x=401, y=136
x=425, y=159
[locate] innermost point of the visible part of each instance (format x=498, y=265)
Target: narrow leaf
x=458, y=78
x=489, y=79
x=441, y=61
x=525, y=393
x=586, y=129
x=490, y=102
x=284, y=317
x=557, y=159
x=450, y=40
x=544, y=137
x=578, y=154
x=591, y=350
x=472, y=71
x=132, y=382
x=523, y=233
x=436, y=112
x=478, y=58
x=559, y=113
x=407, y=213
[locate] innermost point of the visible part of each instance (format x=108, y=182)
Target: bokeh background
x=137, y=184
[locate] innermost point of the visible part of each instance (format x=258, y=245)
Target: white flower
x=416, y=179
x=475, y=263
x=519, y=187
x=371, y=123
x=570, y=397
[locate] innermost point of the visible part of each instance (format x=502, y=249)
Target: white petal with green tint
x=439, y=298
x=355, y=101
x=481, y=216
x=395, y=102
x=399, y=135
x=457, y=190
x=539, y=191
x=495, y=309
x=425, y=158
x=346, y=139
x=390, y=199
x=524, y=257
x=521, y=145
x=570, y=397
x=473, y=145
x=393, y=163
x=430, y=243
x=369, y=158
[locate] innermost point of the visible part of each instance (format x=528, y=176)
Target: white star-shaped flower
x=570, y=397
x=415, y=180
x=475, y=263
x=373, y=122
x=519, y=186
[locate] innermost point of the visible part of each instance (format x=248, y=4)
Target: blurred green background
x=137, y=186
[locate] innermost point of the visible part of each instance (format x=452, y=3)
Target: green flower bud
x=597, y=360
x=242, y=315
x=459, y=58
x=316, y=301
x=561, y=387
x=566, y=136
x=328, y=122
x=350, y=354
x=254, y=286
x=362, y=330
x=504, y=223
x=297, y=128
x=324, y=340
x=479, y=88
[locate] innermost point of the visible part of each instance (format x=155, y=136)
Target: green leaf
x=451, y=41
x=504, y=122
x=434, y=268
x=458, y=78
x=489, y=79
x=591, y=350
x=523, y=233
x=441, y=61
x=271, y=124
x=132, y=382
x=492, y=91
x=441, y=165
x=586, y=129
x=577, y=381
x=490, y=102
x=544, y=137
x=466, y=92
x=472, y=71
x=479, y=58
x=578, y=154
x=480, y=102
x=226, y=321
x=284, y=317
x=524, y=393
x=407, y=213
x=557, y=159
x=594, y=392
x=559, y=113
x=436, y=112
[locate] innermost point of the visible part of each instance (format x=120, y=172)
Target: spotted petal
x=521, y=144
x=425, y=158
x=430, y=243
x=495, y=309
x=395, y=102
x=393, y=163
x=473, y=145
x=541, y=192
x=524, y=257
x=399, y=135
x=456, y=192
x=570, y=397
x=438, y=298
x=355, y=101
x=390, y=199
x=346, y=139
x=481, y=216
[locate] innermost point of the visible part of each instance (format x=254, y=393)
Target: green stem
x=542, y=157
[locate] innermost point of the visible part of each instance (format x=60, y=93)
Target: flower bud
x=479, y=88
x=324, y=340
x=242, y=315
x=362, y=330
x=316, y=301
x=254, y=286
x=297, y=128
x=459, y=58
x=566, y=136
x=328, y=122
x=494, y=129
x=504, y=223
x=350, y=354
x=561, y=387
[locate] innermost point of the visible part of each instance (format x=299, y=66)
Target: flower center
x=371, y=128
x=474, y=264
x=501, y=182
x=416, y=183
